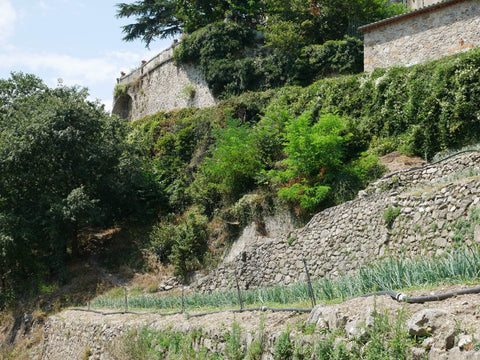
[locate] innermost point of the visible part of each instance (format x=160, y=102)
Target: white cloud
x=8, y=17
x=87, y=71
x=43, y=5
x=97, y=73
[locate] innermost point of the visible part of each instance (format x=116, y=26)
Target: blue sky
x=78, y=41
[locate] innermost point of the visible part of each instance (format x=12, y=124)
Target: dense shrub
x=336, y=57
x=189, y=243
x=234, y=160
x=233, y=61
x=317, y=165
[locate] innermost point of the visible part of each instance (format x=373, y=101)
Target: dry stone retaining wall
x=160, y=85
x=74, y=335
x=340, y=239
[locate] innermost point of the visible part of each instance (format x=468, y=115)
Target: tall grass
x=457, y=265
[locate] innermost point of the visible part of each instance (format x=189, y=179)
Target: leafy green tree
x=154, y=19
x=167, y=18
x=64, y=164
x=235, y=160
x=314, y=157
x=322, y=167
x=316, y=21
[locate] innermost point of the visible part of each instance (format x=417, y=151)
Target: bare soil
x=396, y=161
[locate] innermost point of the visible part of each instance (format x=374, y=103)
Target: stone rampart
x=431, y=201
x=160, y=85
x=430, y=33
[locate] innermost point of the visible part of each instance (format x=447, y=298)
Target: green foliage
x=464, y=229
x=312, y=146
x=153, y=19
x=233, y=347
x=216, y=41
x=146, y=343
x=65, y=164
x=283, y=347
x=176, y=143
x=189, y=243
x=199, y=13
x=162, y=239
x=321, y=20
x=316, y=162
x=325, y=348
x=315, y=21
x=283, y=37
x=302, y=352
x=218, y=49
x=385, y=339
x=292, y=30
x=461, y=265
x=221, y=51
x=390, y=214
x=255, y=351
x=167, y=18
x=234, y=160
x=335, y=57
x=119, y=89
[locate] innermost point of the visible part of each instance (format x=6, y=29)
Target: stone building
x=428, y=33
x=417, y=4
x=159, y=85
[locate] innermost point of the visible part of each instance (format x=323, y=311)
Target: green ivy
x=221, y=51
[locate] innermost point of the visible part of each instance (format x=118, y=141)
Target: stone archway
x=122, y=106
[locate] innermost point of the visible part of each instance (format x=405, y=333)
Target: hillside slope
x=433, y=208
x=445, y=194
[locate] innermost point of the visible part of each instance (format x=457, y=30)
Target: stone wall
x=83, y=335
x=159, y=85
x=418, y=4
x=340, y=239
x=442, y=29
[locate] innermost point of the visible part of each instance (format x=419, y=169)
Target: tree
x=154, y=18
x=64, y=164
x=167, y=18
x=235, y=160
x=317, y=21
x=314, y=158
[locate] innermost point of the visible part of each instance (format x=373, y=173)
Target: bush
x=162, y=239
x=66, y=164
x=234, y=161
x=189, y=243
x=233, y=346
x=316, y=163
x=336, y=57
x=221, y=51
x=390, y=214
x=213, y=42
x=217, y=49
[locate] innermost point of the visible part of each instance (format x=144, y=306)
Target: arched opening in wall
x=122, y=106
